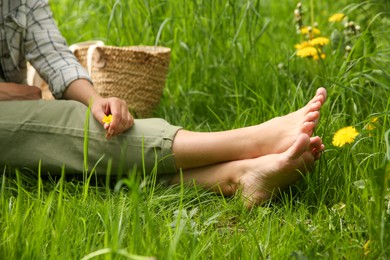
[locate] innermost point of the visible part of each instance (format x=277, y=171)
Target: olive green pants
x=52, y=133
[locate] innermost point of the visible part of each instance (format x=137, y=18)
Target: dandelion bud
x=309, y=29
x=299, y=5
x=297, y=13
x=348, y=48
x=315, y=25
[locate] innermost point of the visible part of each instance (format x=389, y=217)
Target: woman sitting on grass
x=255, y=162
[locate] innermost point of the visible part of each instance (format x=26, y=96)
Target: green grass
x=232, y=65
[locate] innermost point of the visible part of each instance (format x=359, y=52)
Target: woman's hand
x=122, y=120
x=82, y=90
x=14, y=91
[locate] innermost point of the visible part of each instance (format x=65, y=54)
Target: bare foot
x=279, y=133
x=268, y=175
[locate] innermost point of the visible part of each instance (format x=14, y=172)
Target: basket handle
x=91, y=49
x=73, y=47
x=92, y=46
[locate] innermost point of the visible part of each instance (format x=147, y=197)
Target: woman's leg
x=260, y=178
x=197, y=149
x=53, y=132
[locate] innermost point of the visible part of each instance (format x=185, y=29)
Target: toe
x=321, y=91
x=307, y=128
x=315, y=106
x=300, y=146
x=315, y=142
x=312, y=116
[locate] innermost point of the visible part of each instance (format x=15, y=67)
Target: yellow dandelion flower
x=336, y=17
x=321, y=41
x=309, y=51
x=322, y=56
x=107, y=119
x=345, y=135
x=372, y=125
x=306, y=30
x=302, y=45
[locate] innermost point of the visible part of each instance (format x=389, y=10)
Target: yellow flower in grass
x=372, y=125
x=321, y=57
x=318, y=41
x=336, y=17
x=107, y=119
x=308, y=51
x=321, y=41
x=309, y=29
x=345, y=135
x=302, y=45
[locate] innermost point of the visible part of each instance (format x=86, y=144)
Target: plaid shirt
x=28, y=33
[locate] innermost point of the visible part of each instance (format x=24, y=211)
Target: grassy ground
x=233, y=64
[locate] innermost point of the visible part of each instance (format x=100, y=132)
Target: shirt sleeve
x=47, y=50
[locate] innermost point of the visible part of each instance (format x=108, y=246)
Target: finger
x=128, y=119
x=123, y=122
x=116, y=119
x=111, y=130
x=122, y=118
x=117, y=125
x=99, y=115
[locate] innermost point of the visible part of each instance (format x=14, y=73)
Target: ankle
x=242, y=169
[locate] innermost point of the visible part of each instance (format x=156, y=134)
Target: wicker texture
x=136, y=74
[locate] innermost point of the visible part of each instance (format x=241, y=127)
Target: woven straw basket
x=136, y=74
